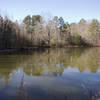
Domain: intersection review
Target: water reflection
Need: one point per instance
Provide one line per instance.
(51, 74)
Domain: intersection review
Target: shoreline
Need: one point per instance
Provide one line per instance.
(42, 47)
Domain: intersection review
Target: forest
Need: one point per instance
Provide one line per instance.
(38, 31)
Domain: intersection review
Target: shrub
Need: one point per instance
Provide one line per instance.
(76, 40)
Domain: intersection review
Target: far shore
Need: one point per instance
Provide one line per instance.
(41, 47)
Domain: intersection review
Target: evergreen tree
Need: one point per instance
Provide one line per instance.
(94, 27)
(27, 21)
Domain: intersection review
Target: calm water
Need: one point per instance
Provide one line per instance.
(51, 74)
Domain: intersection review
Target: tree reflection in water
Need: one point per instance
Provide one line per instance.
(74, 72)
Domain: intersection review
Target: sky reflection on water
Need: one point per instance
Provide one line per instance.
(54, 74)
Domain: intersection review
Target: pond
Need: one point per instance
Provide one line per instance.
(51, 74)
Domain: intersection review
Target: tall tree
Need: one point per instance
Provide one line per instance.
(94, 27)
(61, 22)
(82, 22)
(27, 21)
(55, 19)
(82, 28)
(35, 19)
(94, 33)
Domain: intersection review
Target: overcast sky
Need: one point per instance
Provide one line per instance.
(70, 10)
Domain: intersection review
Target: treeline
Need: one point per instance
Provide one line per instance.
(38, 31)
(12, 35)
